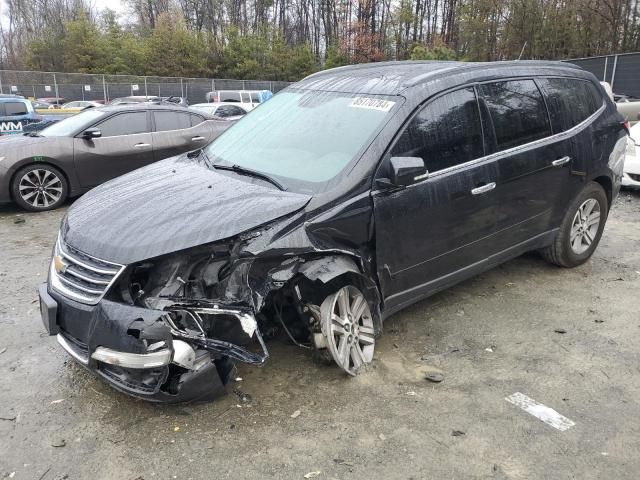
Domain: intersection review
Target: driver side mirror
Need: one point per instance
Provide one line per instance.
(407, 170)
(90, 133)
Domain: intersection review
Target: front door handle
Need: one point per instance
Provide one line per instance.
(484, 188)
(561, 161)
(197, 139)
(142, 145)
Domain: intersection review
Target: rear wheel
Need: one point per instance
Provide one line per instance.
(39, 187)
(581, 228)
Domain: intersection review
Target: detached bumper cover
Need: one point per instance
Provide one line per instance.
(110, 340)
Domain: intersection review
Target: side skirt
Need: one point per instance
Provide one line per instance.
(401, 300)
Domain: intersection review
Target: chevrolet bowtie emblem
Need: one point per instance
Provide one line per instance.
(59, 264)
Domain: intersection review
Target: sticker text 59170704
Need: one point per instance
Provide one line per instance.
(372, 103)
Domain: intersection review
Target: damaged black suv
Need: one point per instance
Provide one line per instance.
(347, 197)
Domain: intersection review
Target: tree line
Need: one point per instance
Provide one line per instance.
(288, 39)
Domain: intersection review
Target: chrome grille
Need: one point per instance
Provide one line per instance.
(79, 276)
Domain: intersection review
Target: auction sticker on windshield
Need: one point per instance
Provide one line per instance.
(372, 104)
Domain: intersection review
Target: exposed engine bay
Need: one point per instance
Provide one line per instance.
(193, 313)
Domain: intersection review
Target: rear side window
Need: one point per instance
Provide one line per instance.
(196, 119)
(171, 120)
(570, 101)
(255, 97)
(15, 108)
(224, 111)
(517, 113)
(445, 133)
(124, 124)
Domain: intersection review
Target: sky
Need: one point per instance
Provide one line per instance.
(116, 5)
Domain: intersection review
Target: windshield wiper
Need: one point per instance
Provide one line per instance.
(250, 173)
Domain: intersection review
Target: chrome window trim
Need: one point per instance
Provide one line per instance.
(527, 146)
(520, 148)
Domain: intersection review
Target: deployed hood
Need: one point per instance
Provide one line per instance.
(171, 205)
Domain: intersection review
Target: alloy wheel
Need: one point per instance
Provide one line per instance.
(40, 188)
(348, 326)
(584, 228)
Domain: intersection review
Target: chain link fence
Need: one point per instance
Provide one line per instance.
(83, 86)
(621, 71)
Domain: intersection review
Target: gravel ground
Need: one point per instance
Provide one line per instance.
(489, 337)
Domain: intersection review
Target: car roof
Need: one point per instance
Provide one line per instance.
(143, 106)
(392, 78)
(129, 107)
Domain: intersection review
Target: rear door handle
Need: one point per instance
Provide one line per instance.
(561, 161)
(484, 188)
(197, 139)
(142, 145)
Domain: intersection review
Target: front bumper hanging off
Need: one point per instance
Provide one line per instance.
(142, 352)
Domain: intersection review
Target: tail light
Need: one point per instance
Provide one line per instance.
(627, 126)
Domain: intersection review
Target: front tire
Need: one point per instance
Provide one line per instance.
(581, 228)
(39, 187)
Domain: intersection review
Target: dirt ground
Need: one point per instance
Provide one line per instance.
(490, 337)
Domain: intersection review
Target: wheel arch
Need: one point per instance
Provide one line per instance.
(605, 182)
(337, 270)
(27, 162)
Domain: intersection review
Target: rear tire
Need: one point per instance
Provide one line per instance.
(581, 228)
(39, 187)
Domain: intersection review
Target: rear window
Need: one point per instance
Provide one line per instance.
(517, 113)
(229, 97)
(15, 108)
(570, 101)
(196, 119)
(229, 111)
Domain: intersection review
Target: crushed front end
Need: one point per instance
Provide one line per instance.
(151, 329)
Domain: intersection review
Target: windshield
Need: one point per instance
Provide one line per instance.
(70, 125)
(303, 138)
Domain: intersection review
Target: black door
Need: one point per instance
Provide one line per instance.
(533, 166)
(433, 228)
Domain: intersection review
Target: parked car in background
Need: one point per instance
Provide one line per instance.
(607, 89)
(39, 104)
(230, 111)
(177, 100)
(249, 99)
(39, 171)
(53, 102)
(15, 114)
(631, 174)
(341, 201)
(149, 98)
(132, 99)
(81, 104)
(629, 108)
